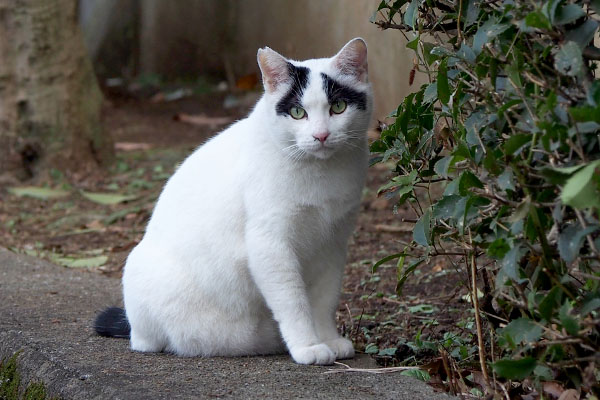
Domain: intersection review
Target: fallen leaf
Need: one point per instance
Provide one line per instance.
(554, 389)
(95, 225)
(201, 119)
(394, 228)
(108, 198)
(569, 394)
(38, 192)
(132, 146)
(88, 262)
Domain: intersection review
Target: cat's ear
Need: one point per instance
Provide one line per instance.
(274, 68)
(352, 60)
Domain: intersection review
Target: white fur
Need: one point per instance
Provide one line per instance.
(247, 242)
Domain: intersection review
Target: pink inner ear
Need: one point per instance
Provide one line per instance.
(352, 60)
(274, 69)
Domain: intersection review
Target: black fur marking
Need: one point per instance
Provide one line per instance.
(299, 77)
(336, 91)
(112, 322)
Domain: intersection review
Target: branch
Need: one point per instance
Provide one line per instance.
(592, 53)
(403, 27)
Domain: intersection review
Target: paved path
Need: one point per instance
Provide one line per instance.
(46, 311)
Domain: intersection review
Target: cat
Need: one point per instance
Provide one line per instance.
(246, 247)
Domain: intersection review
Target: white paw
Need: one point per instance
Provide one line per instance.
(342, 348)
(319, 354)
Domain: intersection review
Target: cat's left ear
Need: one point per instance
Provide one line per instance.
(274, 68)
(352, 60)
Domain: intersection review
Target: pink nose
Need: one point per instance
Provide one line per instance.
(321, 137)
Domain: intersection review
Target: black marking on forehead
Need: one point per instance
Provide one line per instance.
(299, 77)
(336, 91)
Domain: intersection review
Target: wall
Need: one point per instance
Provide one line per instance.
(201, 37)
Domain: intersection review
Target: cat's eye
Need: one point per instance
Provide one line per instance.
(338, 106)
(297, 112)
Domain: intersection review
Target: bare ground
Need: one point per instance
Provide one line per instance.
(81, 233)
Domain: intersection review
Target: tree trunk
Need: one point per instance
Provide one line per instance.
(49, 99)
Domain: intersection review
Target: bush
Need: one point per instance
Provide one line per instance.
(508, 127)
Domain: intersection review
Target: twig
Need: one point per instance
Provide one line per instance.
(475, 301)
(348, 368)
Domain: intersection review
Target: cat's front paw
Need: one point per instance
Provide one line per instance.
(319, 354)
(341, 347)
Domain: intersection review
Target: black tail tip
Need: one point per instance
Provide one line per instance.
(112, 322)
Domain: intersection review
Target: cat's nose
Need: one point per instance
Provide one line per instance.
(321, 137)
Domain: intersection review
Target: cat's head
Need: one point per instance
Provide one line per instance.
(319, 106)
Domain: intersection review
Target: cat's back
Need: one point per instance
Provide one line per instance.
(203, 187)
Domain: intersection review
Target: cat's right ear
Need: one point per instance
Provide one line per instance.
(274, 68)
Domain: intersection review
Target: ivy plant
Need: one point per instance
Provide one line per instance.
(498, 155)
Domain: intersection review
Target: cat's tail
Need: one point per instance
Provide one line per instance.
(112, 322)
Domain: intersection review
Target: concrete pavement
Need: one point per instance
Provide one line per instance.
(46, 312)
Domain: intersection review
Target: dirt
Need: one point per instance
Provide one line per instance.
(150, 143)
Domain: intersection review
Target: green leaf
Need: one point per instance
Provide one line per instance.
(506, 180)
(441, 167)
(549, 9)
(89, 262)
(466, 181)
(427, 55)
(410, 16)
(568, 59)
(498, 248)
(390, 351)
(413, 44)
(537, 19)
(521, 330)
(445, 207)
(580, 191)
(585, 113)
(567, 320)
(443, 87)
(568, 13)
(108, 198)
(593, 94)
(510, 264)
(590, 305)
(521, 211)
(571, 239)
(486, 32)
(515, 369)
(430, 94)
(583, 34)
(402, 275)
(40, 193)
(516, 142)
(386, 259)
(371, 348)
(422, 231)
(550, 302)
(417, 373)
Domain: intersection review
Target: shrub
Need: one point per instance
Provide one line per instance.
(509, 128)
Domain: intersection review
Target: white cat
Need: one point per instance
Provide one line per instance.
(246, 247)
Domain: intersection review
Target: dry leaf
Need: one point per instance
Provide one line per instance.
(554, 389)
(131, 146)
(569, 394)
(393, 228)
(201, 119)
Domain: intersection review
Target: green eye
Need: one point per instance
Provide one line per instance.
(338, 106)
(297, 112)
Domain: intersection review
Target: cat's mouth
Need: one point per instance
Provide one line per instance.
(320, 150)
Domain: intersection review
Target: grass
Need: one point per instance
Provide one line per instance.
(10, 383)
